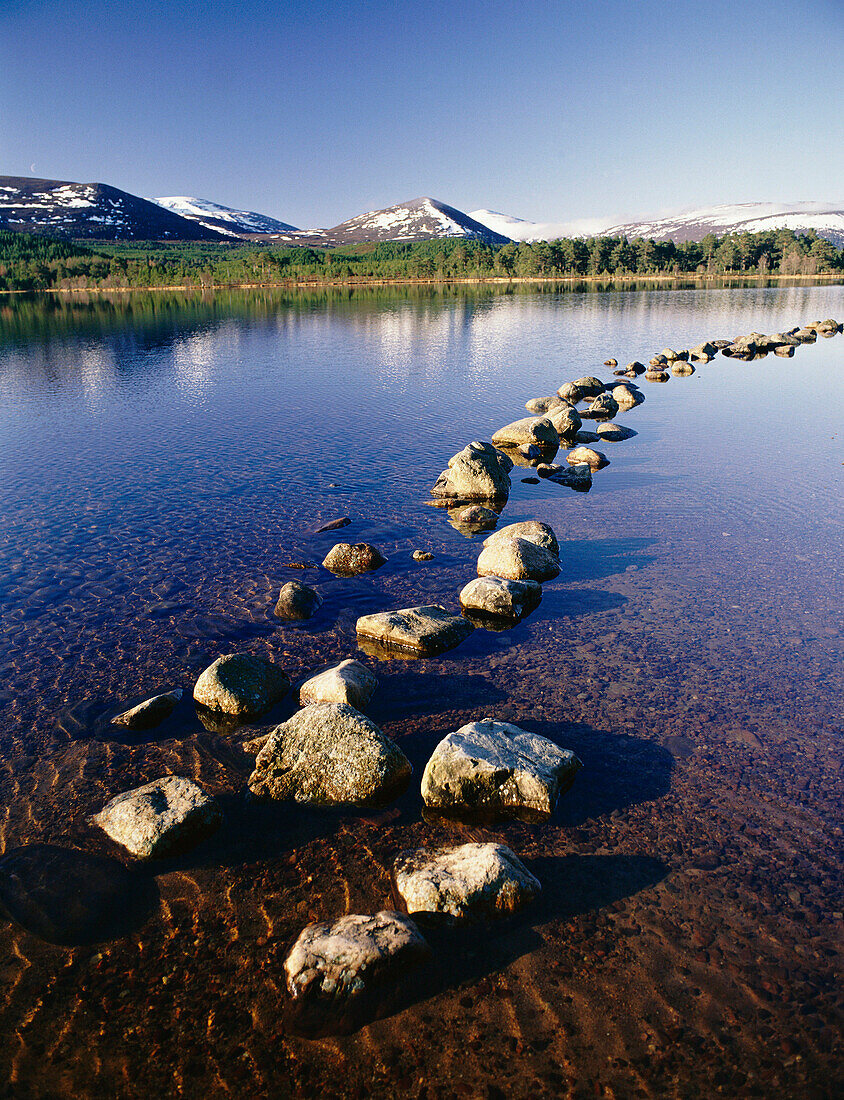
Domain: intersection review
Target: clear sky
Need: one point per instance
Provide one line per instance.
(314, 111)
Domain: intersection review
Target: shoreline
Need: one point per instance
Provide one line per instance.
(353, 283)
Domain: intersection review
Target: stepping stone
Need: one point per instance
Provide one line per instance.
(241, 685)
(345, 973)
(150, 713)
(501, 598)
(349, 682)
(595, 460)
(469, 881)
(540, 534)
(162, 818)
(530, 429)
(517, 559)
(423, 631)
(495, 769)
(328, 754)
(615, 433)
(478, 472)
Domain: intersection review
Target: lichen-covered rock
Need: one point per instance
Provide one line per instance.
(467, 882)
(478, 472)
(296, 602)
(162, 818)
(241, 685)
(496, 768)
(518, 560)
(150, 713)
(529, 430)
(571, 392)
(682, 369)
(329, 754)
(566, 420)
(344, 973)
(500, 598)
(424, 631)
(595, 460)
(531, 529)
(349, 682)
(350, 559)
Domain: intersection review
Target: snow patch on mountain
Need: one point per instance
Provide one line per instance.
(519, 229)
(224, 219)
(827, 219)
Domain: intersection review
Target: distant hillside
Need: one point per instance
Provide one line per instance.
(827, 220)
(223, 219)
(421, 219)
(90, 210)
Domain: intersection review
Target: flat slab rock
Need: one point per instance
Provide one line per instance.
(162, 818)
(425, 631)
(497, 769)
(150, 713)
(469, 881)
(501, 598)
(328, 754)
(516, 559)
(342, 974)
(349, 682)
(242, 685)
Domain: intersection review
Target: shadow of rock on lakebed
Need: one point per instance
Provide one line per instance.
(69, 897)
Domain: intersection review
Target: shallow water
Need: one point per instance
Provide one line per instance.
(166, 459)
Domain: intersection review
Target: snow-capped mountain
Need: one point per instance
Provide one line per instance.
(419, 220)
(223, 219)
(827, 219)
(58, 208)
(518, 229)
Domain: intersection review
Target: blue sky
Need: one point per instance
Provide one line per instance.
(314, 112)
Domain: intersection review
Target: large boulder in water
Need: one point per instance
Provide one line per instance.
(500, 598)
(496, 769)
(541, 534)
(162, 818)
(566, 420)
(328, 754)
(530, 429)
(347, 972)
(241, 685)
(465, 882)
(478, 472)
(517, 560)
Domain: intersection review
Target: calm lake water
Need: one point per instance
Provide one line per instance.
(165, 459)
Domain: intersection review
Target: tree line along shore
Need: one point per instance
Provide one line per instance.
(32, 262)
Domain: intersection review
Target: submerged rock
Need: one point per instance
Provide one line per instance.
(333, 525)
(150, 713)
(500, 598)
(496, 768)
(241, 685)
(296, 602)
(594, 459)
(329, 754)
(424, 631)
(473, 518)
(469, 881)
(478, 472)
(349, 682)
(531, 529)
(343, 974)
(162, 818)
(517, 559)
(585, 436)
(350, 559)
